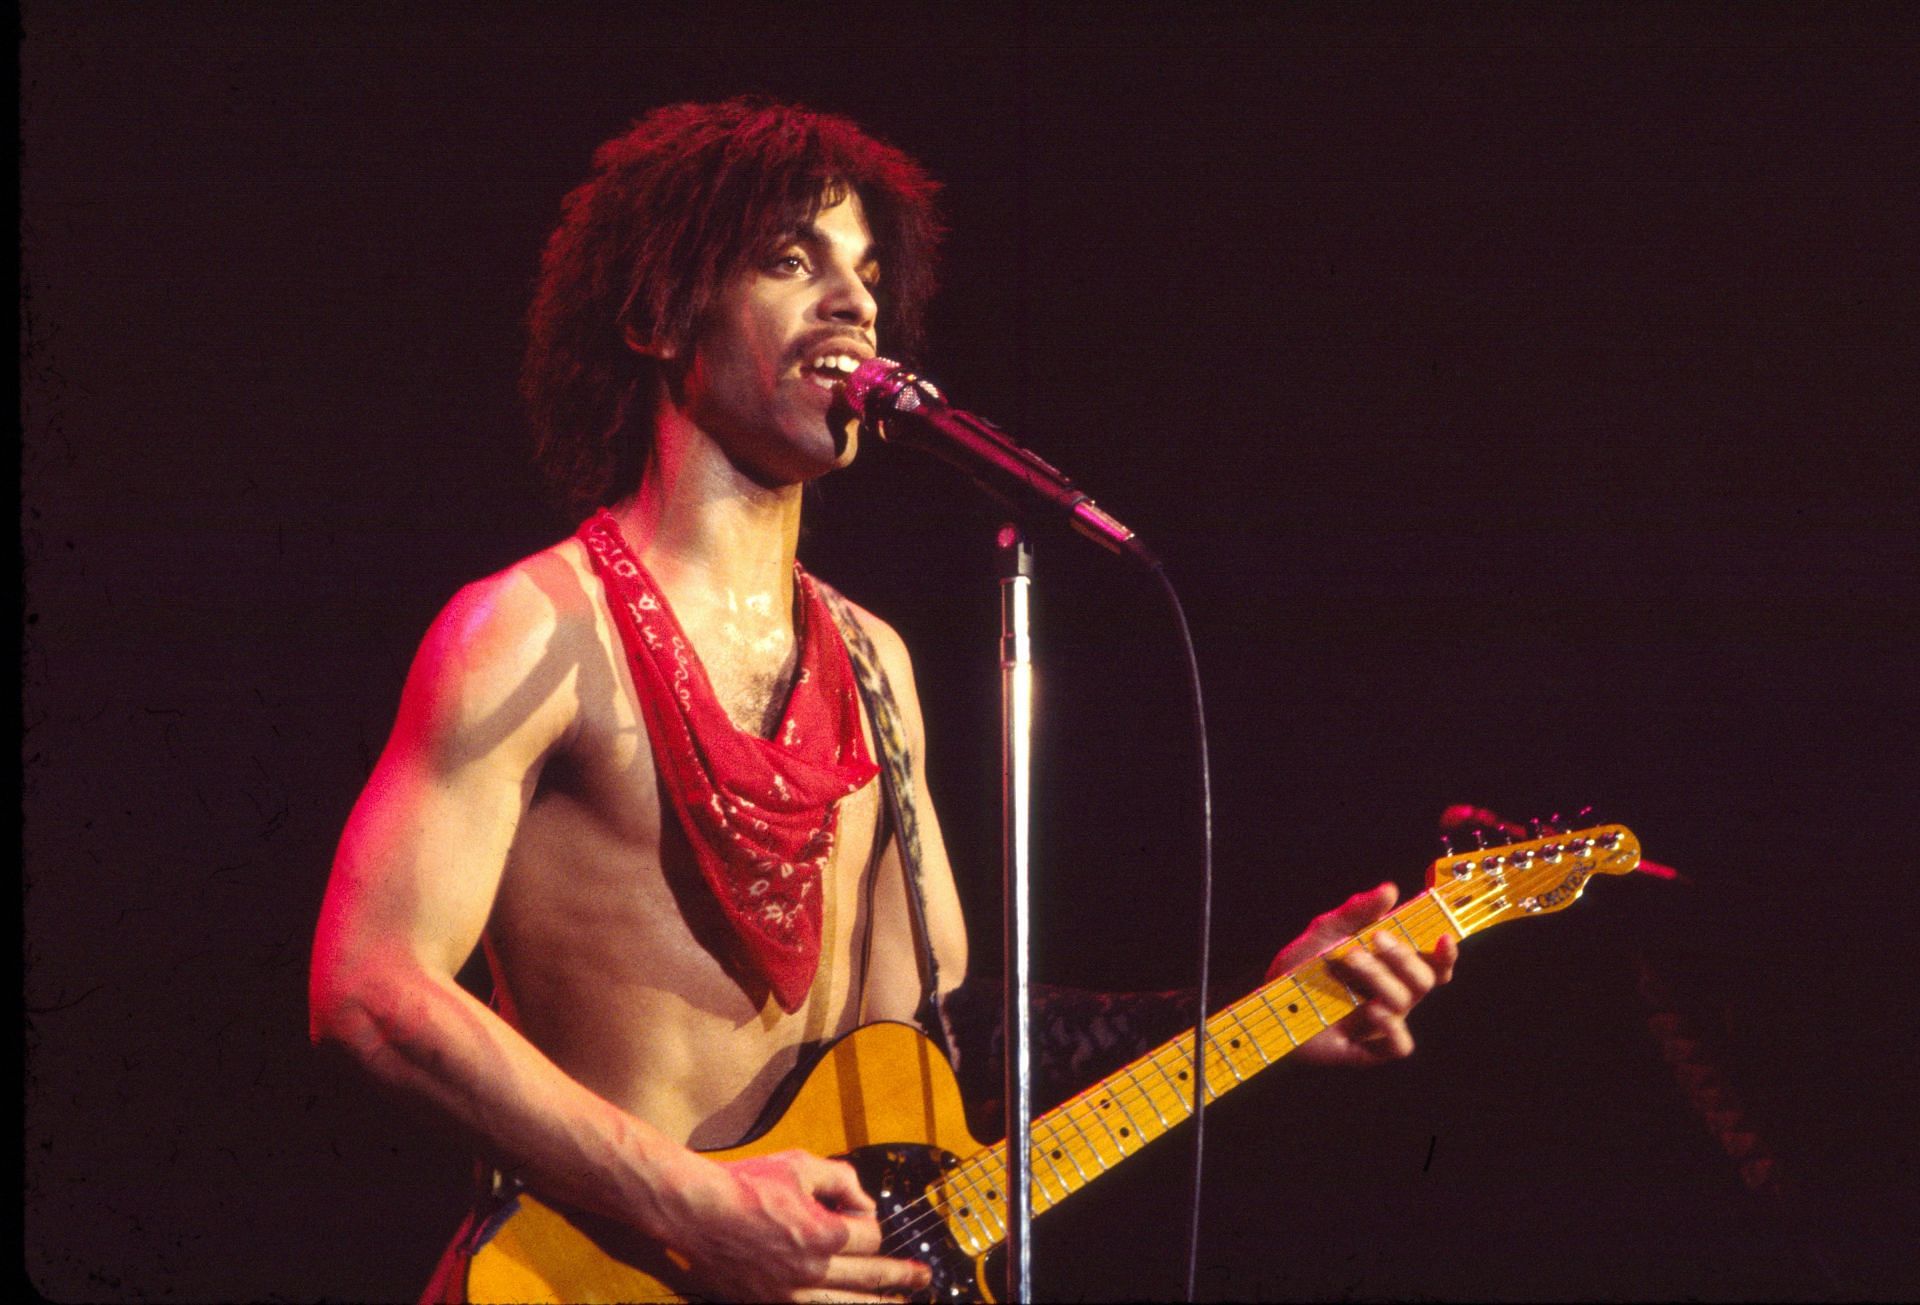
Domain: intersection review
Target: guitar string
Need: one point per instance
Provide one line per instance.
(1478, 911)
(971, 1182)
(969, 1186)
(969, 1178)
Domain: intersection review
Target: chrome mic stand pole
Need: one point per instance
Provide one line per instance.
(1016, 818)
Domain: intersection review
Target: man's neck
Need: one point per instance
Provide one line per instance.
(712, 536)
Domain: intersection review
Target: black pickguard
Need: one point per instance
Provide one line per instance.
(897, 1176)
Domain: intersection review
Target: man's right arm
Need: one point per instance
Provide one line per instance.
(412, 885)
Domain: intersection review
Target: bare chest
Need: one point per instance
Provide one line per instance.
(750, 660)
(617, 961)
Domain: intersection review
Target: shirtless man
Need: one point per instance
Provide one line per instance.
(699, 298)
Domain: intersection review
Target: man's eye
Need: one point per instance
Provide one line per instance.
(789, 263)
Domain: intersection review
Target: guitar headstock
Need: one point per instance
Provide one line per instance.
(1548, 873)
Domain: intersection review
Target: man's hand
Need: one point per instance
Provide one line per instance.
(783, 1227)
(1391, 978)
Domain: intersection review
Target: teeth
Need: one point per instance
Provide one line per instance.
(838, 362)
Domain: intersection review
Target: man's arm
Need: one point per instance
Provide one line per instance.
(1081, 1036)
(414, 880)
(1391, 979)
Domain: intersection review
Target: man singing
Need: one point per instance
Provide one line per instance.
(640, 768)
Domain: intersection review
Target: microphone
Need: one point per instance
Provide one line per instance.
(901, 407)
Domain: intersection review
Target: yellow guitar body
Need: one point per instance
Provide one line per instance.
(885, 1098)
(882, 1083)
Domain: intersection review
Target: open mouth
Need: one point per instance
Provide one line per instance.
(829, 369)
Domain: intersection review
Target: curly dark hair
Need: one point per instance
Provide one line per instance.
(675, 208)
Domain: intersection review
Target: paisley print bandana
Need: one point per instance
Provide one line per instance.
(760, 813)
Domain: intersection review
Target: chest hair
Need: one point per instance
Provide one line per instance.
(751, 676)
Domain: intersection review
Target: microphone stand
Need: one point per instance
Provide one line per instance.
(1015, 566)
(884, 395)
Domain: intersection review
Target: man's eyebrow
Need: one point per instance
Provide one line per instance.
(811, 236)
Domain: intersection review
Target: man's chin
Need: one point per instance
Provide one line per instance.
(807, 453)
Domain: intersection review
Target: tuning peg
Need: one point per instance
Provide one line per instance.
(1479, 838)
(1446, 841)
(1583, 813)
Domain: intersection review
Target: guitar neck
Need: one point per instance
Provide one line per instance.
(1079, 1141)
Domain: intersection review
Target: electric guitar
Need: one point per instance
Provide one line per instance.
(884, 1099)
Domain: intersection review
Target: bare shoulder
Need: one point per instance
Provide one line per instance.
(502, 659)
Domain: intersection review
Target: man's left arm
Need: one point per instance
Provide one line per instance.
(1389, 976)
(1391, 979)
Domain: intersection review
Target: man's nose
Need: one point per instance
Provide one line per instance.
(849, 300)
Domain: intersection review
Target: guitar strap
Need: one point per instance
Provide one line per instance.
(896, 777)
(1080, 1035)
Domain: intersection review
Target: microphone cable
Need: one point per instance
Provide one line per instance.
(880, 392)
(1206, 925)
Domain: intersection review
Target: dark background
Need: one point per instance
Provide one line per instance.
(1519, 395)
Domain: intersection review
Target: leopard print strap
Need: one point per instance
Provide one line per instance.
(896, 770)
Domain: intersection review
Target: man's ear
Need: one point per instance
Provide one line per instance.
(659, 350)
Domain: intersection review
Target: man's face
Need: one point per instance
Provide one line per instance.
(761, 380)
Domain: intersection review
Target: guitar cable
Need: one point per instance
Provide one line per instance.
(1206, 925)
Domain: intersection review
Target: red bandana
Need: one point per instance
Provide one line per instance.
(760, 813)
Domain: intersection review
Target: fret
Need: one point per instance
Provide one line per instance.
(968, 1216)
(1050, 1153)
(1353, 998)
(1225, 1059)
(1278, 1018)
(1099, 1113)
(1232, 1014)
(1066, 1148)
(981, 1190)
(1147, 1092)
(1044, 1151)
(1333, 995)
(1040, 1188)
(1312, 1005)
(1183, 1056)
(1434, 897)
(996, 1209)
(1320, 997)
(1180, 1095)
(1066, 1113)
(1132, 1123)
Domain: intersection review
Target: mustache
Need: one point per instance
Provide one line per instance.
(816, 340)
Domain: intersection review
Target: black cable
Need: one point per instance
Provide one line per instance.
(1206, 927)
